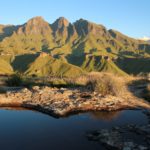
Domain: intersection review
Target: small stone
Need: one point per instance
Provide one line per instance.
(142, 147)
(129, 146)
(85, 95)
(126, 148)
(36, 88)
(116, 128)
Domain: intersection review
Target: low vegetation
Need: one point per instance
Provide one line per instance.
(14, 80)
(100, 82)
(107, 84)
(103, 83)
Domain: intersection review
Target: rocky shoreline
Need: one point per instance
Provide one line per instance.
(59, 102)
(126, 137)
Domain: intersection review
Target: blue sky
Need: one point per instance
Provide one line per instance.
(132, 17)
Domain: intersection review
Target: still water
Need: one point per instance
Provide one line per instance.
(31, 130)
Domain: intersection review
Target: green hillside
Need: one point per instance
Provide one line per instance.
(71, 43)
(97, 63)
(46, 65)
(134, 65)
(5, 68)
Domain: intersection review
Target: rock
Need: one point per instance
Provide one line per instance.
(35, 88)
(129, 146)
(59, 99)
(111, 103)
(142, 148)
(117, 137)
(115, 128)
(60, 102)
(85, 95)
(24, 90)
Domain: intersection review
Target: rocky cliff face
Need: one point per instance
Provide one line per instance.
(61, 33)
(35, 25)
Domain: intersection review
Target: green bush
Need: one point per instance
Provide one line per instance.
(15, 80)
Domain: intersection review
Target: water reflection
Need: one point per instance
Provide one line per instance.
(97, 115)
(104, 115)
(14, 108)
(23, 129)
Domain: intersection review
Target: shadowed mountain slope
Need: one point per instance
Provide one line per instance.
(46, 65)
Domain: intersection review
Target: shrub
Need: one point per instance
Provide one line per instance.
(85, 79)
(107, 84)
(14, 80)
(81, 80)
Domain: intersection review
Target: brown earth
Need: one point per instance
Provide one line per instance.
(60, 102)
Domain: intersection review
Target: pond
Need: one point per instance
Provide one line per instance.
(22, 129)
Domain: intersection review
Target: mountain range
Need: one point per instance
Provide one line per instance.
(69, 49)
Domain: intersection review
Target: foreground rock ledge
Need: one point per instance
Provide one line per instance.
(63, 101)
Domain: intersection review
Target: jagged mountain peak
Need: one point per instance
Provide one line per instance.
(36, 19)
(82, 22)
(36, 25)
(85, 27)
(61, 23)
(60, 29)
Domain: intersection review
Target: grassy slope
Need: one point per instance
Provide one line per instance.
(134, 65)
(100, 64)
(47, 65)
(5, 68)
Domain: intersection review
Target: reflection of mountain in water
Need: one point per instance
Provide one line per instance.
(103, 115)
(14, 108)
(97, 115)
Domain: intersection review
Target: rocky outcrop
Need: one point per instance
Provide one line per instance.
(60, 102)
(35, 26)
(127, 137)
